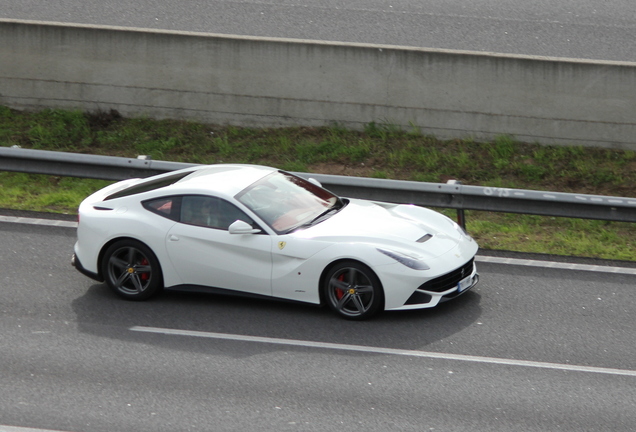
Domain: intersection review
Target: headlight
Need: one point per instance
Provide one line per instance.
(406, 260)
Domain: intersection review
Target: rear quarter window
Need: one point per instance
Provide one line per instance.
(148, 185)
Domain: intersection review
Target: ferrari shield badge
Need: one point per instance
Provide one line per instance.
(281, 245)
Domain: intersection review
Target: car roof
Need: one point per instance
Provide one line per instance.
(222, 179)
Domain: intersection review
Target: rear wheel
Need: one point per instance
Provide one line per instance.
(132, 270)
(353, 291)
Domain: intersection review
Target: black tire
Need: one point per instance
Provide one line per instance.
(132, 270)
(353, 291)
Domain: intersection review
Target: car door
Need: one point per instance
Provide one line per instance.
(204, 253)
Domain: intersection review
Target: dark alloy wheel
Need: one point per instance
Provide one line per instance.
(132, 270)
(353, 291)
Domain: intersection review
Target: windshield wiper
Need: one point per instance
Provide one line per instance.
(322, 216)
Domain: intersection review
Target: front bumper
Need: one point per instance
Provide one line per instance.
(443, 288)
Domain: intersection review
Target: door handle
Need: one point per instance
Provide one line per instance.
(173, 237)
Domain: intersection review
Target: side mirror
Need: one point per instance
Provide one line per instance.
(314, 181)
(241, 227)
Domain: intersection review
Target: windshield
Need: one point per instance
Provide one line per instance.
(286, 202)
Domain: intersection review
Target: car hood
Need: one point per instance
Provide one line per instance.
(407, 228)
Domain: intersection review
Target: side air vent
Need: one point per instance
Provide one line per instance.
(419, 298)
(425, 238)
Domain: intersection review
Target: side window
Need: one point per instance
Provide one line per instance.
(211, 212)
(167, 207)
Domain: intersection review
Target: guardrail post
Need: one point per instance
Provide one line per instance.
(461, 218)
(461, 215)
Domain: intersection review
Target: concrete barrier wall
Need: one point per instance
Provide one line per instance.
(276, 82)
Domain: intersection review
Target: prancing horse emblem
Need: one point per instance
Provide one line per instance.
(281, 245)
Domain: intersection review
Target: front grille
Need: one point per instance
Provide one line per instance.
(449, 280)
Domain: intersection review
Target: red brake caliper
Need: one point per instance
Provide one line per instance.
(145, 276)
(339, 292)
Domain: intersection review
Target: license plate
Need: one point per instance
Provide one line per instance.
(464, 284)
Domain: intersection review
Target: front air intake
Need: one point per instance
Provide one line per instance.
(449, 280)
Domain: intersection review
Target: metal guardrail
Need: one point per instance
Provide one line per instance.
(81, 165)
(455, 196)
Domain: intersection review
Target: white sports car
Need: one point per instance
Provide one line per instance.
(264, 232)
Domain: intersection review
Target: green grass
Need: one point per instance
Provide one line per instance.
(379, 151)
(558, 236)
(45, 193)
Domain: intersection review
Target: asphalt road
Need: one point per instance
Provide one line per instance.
(530, 349)
(566, 28)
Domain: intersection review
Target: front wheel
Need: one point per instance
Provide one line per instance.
(132, 270)
(353, 291)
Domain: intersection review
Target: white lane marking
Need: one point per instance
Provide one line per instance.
(34, 221)
(5, 428)
(555, 265)
(479, 258)
(389, 351)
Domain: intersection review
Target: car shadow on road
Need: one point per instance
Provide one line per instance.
(99, 311)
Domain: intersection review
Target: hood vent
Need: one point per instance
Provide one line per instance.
(425, 238)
